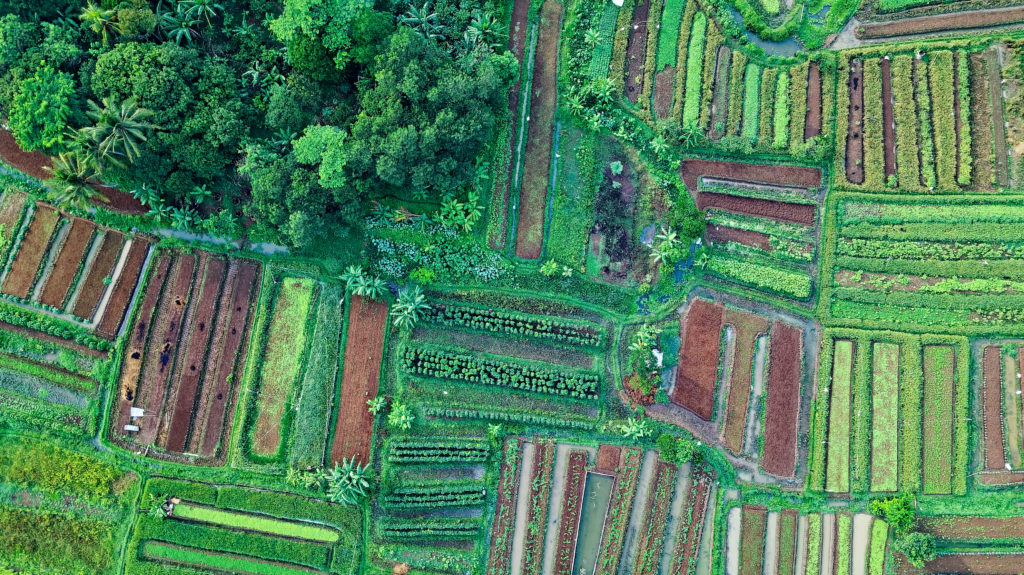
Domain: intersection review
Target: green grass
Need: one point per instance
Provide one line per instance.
(781, 120)
(751, 100)
(838, 474)
(938, 418)
(771, 6)
(668, 35)
(885, 388)
(940, 80)
(694, 69)
(217, 561)
(255, 523)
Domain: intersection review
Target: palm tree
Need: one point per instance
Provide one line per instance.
(410, 306)
(423, 21)
(204, 8)
(100, 20)
(70, 185)
(484, 28)
(119, 131)
(180, 25)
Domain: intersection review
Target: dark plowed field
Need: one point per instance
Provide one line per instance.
(995, 457)
(694, 169)
(32, 163)
(664, 89)
(787, 212)
(783, 406)
(942, 22)
(965, 527)
(855, 118)
(66, 265)
(31, 252)
(698, 366)
(124, 288)
(724, 234)
(608, 459)
(636, 51)
(102, 266)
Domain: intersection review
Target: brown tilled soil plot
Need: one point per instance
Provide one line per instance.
(608, 459)
(747, 328)
(636, 51)
(812, 121)
(572, 505)
(785, 211)
(782, 410)
(888, 125)
(102, 266)
(755, 519)
(124, 288)
(987, 564)
(995, 457)
(693, 169)
(505, 509)
(30, 254)
(192, 362)
(664, 89)
(66, 265)
(724, 234)
(162, 345)
(533, 193)
(364, 347)
(855, 117)
(964, 527)
(688, 541)
(31, 163)
(230, 343)
(698, 366)
(942, 22)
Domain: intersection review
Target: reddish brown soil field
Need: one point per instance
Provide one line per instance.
(534, 191)
(43, 336)
(664, 89)
(747, 328)
(994, 564)
(995, 458)
(636, 52)
(854, 135)
(783, 407)
(694, 169)
(124, 288)
(500, 556)
(364, 347)
(22, 274)
(725, 234)
(812, 121)
(698, 367)
(688, 542)
(941, 22)
(66, 265)
(102, 266)
(888, 125)
(784, 211)
(162, 345)
(608, 459)
(1001, 478)
(131, 366)
(191, 363)
(652, 532)
(754, 523)
(230, 343)
(963, 527)
(572, 505)
(31, 163)
(120, 201)
(540, 494)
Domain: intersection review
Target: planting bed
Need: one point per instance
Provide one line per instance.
(812, 124)
(619, 510)
(977, 564)
(66, 265)
(22, 274)
(752, 540)
(698, 366)
(688, 537)
(723, 234)
(636, 50)
(942, 22)
(995, 458)
(854, 134)
(608, 459)
(124, 288)
(572, 505)
(652, 534)
(938, 418)
(785, 211)
(840, 399)
(537, 516)
(92, 286)
(748, 327)
(534, 191)
(888, 124)
(885, 419)
(782, 410)
(692, 170)
(500, 555)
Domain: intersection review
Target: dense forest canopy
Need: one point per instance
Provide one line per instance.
(293, 115)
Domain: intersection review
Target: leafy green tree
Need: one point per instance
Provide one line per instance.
(39, 115)
(918, 547)
(899, 512)
(72, 184)
(329, 22)
(135, 22)
(16, 37)
(323, 146)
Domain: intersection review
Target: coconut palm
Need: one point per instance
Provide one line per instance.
(100, 20)
(71, 184)
(119, 130)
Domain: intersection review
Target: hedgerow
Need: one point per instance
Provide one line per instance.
(751, 100)
(512, 322)
(413, 450)
(908, 165)
(781, 120)
(940, 84)
(964, 96)
(518, 417)
(694, 70)
(767, 277)
(488, 370)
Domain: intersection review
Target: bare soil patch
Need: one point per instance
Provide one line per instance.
(747, 328)
(812, 121)
(965, 527)
(995, 458)
(65, 267)
(124, 288)
(608, 459)
(774, 174)
(942, 22)
(888, 125)
(664, 89)
(34, 164)
(537, 166)
(855, 133)
(724, 234)
(364, 347)
(987, 564)
(102, 266)
(10, 210)
(31, 252)
(636, 51)
(698, 364)
(783, 406)
(788, 212)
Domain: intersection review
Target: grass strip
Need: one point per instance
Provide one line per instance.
(255, 523)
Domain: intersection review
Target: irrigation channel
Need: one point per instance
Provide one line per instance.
(596, 495)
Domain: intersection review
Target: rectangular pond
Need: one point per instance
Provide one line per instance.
(596, 495)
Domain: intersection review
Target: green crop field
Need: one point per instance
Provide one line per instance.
(839, 418)
(885, 418)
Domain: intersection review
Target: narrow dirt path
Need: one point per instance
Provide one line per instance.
(558, 479)
(757, 390)
(522, 508)
(861, 540)
(678, 498)
(771, 544)
(732, 542)
(828, 543)
(636, 516)
(802, 545)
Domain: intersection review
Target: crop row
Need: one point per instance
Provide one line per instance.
(781, 119)
(254, 523)
(751, 101)
(504, 373)
(773, 279)
(517, 323)
(694, 67)
(766, 114)
(538, 506)
(889, 213)
(520, 417)
(572, 505)
(436, 494)
(925, 250)
(619, 512)
(449, 528)
(216, 561)
(437, 450)
(765, 226)
(503, 527)
(652, 534)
